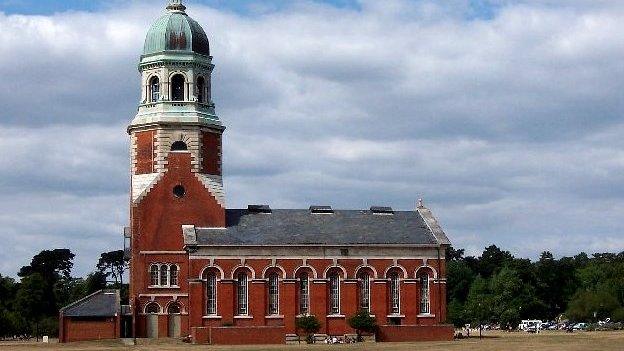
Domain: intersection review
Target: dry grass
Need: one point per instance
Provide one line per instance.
(493, 341)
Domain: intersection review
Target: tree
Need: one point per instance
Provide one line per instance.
(492, 259)
(31, 299)
(309, 325)
(113, 264)
(50, 264)
(362, 322)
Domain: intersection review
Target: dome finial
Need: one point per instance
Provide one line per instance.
(176, 5)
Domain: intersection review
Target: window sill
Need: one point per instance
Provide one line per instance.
(426, 315)
(335, 316)
(395, 316)
(243, 317)
(163, 287)
(274, 316)
(211, 317)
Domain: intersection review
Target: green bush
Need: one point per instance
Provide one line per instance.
(362, 322)
(309, 325)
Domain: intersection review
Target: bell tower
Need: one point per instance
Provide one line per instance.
(176, 135)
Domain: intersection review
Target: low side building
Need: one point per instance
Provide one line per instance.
(95, 317)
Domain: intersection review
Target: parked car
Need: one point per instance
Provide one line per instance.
(580, 326)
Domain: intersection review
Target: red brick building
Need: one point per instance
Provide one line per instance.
(244, 275)
(95, 317)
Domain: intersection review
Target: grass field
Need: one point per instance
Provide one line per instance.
(493, 341)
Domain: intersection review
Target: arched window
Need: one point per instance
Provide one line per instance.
(273, 294)
(174, 308)
(334, 293)
(211, 294)
(154, 89)
(395, 294)
(154, 275)
(241, 294)
(177, 87)
(163, 275)
(364, 291)
(424, 294)
(304, 294)
(173, 275)
(179, 146)
(152, 308)
(201, 89)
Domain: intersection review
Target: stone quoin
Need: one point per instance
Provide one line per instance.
(228, 276)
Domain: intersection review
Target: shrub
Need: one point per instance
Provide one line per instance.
(309, 325)
(362, 322)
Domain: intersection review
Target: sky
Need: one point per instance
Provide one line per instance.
(504, 116)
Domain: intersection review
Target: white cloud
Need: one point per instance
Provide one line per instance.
(509, 127)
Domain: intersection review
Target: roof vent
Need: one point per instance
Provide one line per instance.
(381, 210)
(259, 209)
(321, 209)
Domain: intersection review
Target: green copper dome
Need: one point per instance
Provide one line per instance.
(176, 31)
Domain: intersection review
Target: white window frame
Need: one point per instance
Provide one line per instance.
(242, 295)
(164, 275)
(154, 95)
(425, 292)
(364, 292)
(211, 294)
(334, 294)
(304, 294)
(154, 272)
(395, 294)
(273, 293)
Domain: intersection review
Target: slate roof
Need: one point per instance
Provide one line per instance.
(300, 227)
(104, 303)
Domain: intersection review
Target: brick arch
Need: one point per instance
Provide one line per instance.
(174, 302)
(432, 272)
(160, 310)
(273, 268)
(396, 267)
(363, 267)
(335, 267)
(211, 267)
(302, 267)
(240, 267)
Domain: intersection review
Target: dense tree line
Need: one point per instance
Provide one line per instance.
(30, 307)
(499, 288)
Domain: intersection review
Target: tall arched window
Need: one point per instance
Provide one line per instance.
(424, 294)
(211, 294)
(154, 89)
(304, 294)
(273, 294)
(201, 89)
(177, 87)
(173, 275)
(364, 291)
(395, 294)
(154, 274)
(241, 294)
(334, 293)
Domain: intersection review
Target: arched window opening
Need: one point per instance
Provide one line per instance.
(201, 87)
(154, 89)
(179, 146)
(395, 294)
(152, 308)
(364, 291)
(241, 294)
(164, 275)
(424, 294)
(177, 87)
(173, 275)
(304, 294)
(174, 308)
(273, 294)
(154, 275)
(211, 294)
(334, 293)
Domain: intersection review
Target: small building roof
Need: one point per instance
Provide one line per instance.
(305, 227)
(103, 303)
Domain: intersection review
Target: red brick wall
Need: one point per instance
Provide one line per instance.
(401, 333)
(144, 156)
(84, 330)
(211, 153)
(247, 335)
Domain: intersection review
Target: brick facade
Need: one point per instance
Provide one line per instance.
(83, 329)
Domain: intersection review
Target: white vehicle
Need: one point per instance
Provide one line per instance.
(530, 325)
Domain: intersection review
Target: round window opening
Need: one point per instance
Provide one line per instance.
(179, 191)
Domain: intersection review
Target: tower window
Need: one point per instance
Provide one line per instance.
(179, 191)
(154, 89)
(177, 87)
(201, 87)
(179, 146)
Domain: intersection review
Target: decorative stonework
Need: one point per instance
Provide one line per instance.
(142, 184)
(214, 184)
